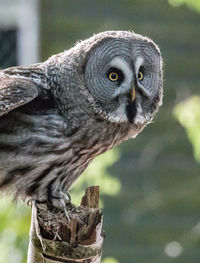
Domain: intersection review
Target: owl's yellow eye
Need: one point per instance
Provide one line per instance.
(113, 76)
(140, 75)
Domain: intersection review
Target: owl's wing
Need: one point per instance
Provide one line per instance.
(15, 92)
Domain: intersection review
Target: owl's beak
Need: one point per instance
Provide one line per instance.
(133, 94)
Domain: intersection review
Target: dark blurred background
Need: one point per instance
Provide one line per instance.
(153, 213)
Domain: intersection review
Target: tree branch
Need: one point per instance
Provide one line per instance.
(55, 238)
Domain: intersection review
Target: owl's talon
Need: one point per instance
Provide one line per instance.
(61, 201)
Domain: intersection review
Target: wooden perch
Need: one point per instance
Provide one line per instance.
(54, 238)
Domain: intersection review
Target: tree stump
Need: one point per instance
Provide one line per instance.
(56, 238)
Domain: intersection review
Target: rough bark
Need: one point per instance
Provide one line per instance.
(55, 237)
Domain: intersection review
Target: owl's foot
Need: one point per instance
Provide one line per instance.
(60, 200)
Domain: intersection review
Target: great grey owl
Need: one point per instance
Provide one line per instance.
(56, 116)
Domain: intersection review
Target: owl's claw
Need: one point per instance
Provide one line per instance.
(61, 201)
(65, 200)
(64, 208)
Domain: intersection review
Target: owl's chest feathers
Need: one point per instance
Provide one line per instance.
(81, 147)
(43, 148)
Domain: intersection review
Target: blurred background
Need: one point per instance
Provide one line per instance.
(150, 186)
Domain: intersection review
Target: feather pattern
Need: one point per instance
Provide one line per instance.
(56, 116)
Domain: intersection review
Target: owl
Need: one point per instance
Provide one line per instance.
(56, 116)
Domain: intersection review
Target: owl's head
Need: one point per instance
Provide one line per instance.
(123, 76)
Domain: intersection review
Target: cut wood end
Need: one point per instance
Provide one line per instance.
(80, 227)
(77, 237)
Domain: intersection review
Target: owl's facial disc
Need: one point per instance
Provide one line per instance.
(124, 76)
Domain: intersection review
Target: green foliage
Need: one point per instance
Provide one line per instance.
(193, 4)
(188, 114)
(110, 260)
(14, 228)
